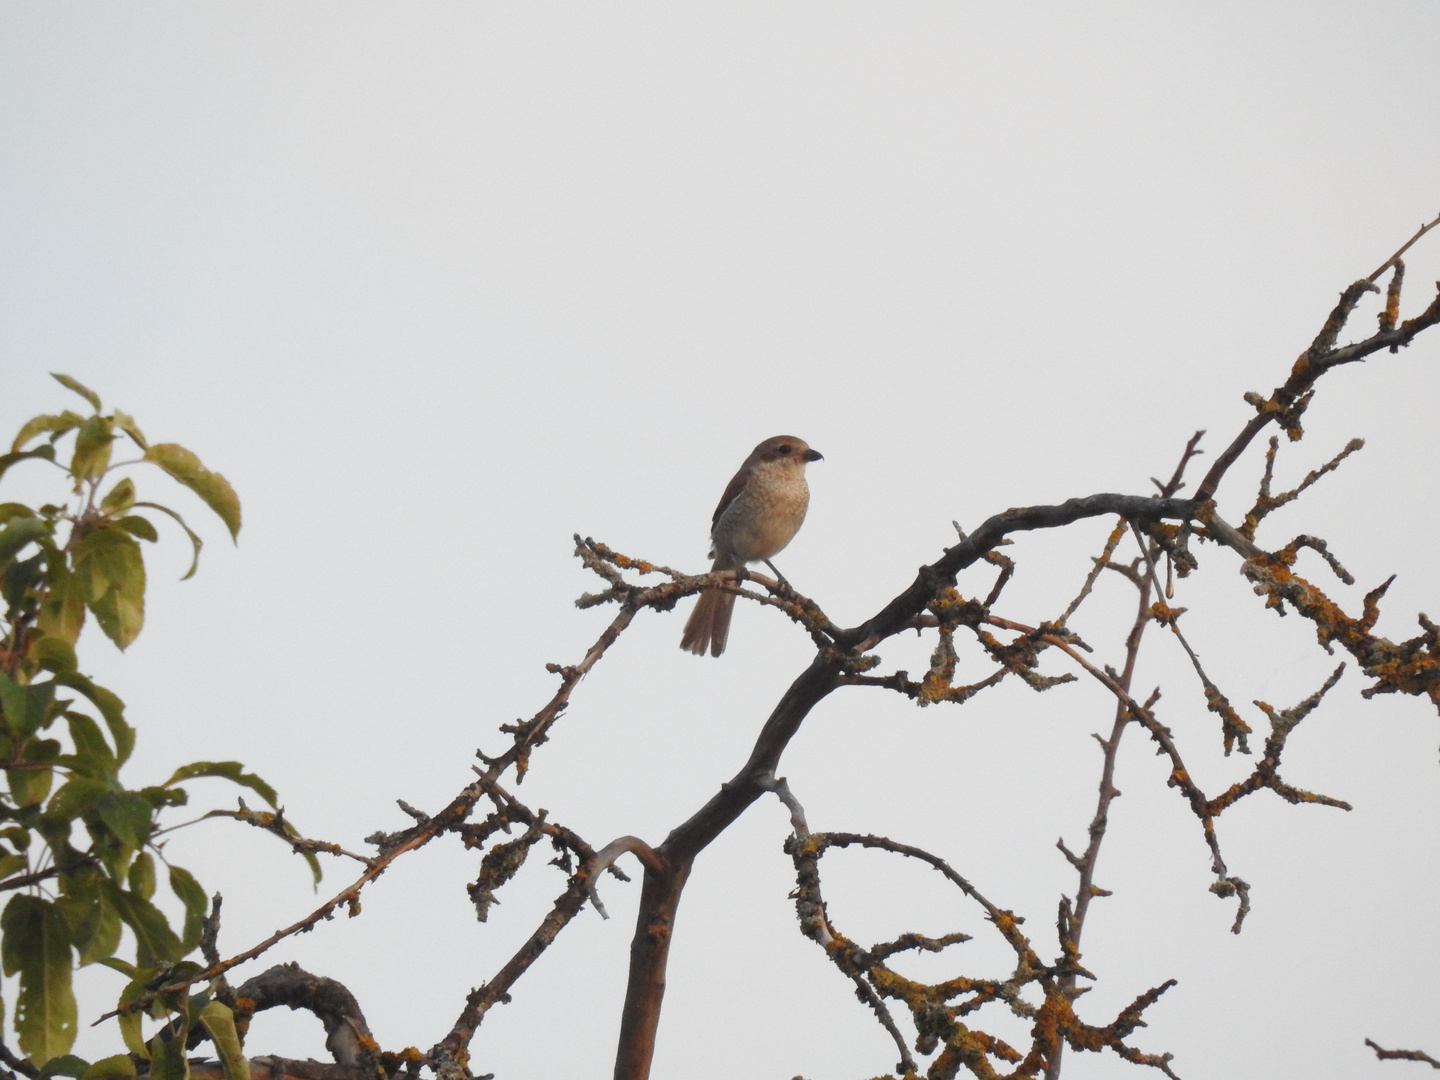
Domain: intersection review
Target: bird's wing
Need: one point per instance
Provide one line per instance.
(736, 485)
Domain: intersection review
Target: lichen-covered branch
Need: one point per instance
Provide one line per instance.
(946, 1014)
(347, 1035)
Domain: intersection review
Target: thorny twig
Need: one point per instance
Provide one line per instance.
(1206, 809)
(1071, 923)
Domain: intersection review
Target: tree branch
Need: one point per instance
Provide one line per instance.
(1402, 1055)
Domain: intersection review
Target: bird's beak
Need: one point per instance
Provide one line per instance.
(814, 455)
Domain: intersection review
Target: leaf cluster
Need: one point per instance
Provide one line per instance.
(80, 850)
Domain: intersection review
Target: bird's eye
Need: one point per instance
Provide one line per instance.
(786, 449)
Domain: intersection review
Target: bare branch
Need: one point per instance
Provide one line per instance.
(1233, 728)
(21, 1065)
(347, 1035)
(448, 1057)
(1071, 924)
(1391, 311)
(1402, 1055)
(906, 942)
(942, 1022)
(275, 824)
(1265, 502)
(782, 791)
(1287, 401)
(1266, 774)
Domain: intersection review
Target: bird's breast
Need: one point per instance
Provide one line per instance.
(764, 516)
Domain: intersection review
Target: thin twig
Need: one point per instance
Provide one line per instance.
(1233, 728)
(1111, 543)
(397, 844)
(1072, 924)
(1403, 248)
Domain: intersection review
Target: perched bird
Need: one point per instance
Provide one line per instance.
(758, 515)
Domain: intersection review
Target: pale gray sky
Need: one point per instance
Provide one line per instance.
(437, 285)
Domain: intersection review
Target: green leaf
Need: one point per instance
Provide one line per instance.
(62, 612)
(167, 1059)
(95, 554)
(126, 423)
(131, 1023)
(21, 580)
(219, 1021)
(92, 449)
(52, 654)
(195, 542)
(57, 839)
(12, 864)
(14, 510)
(74, 384)
(45, 453)
(118, 1067)
(181, 1001)
(139, 526)
(26, 708)
(79, 882)
(58, 423)
(142, 875)
(131, 1028)
(92, 755)
(36, 946)
(213, 488)
(229, 770)
(76, 797)
(119, 498)
(110, 573)
(64, 1065)
(110, 706)
(21, 914)
(160, 797)
(28, 787)
(155, 942)
(127, 815)
(102, 943)
(94, 924)
(20, 531)
(184, 885)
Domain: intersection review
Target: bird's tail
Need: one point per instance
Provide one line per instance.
(709, 624)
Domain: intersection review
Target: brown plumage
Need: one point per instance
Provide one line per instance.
(758, 515)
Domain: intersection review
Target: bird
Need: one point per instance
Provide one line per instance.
(759, 514)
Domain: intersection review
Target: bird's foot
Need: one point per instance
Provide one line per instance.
(779, 576)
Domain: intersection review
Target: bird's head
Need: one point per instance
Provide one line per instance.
(785, 448)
